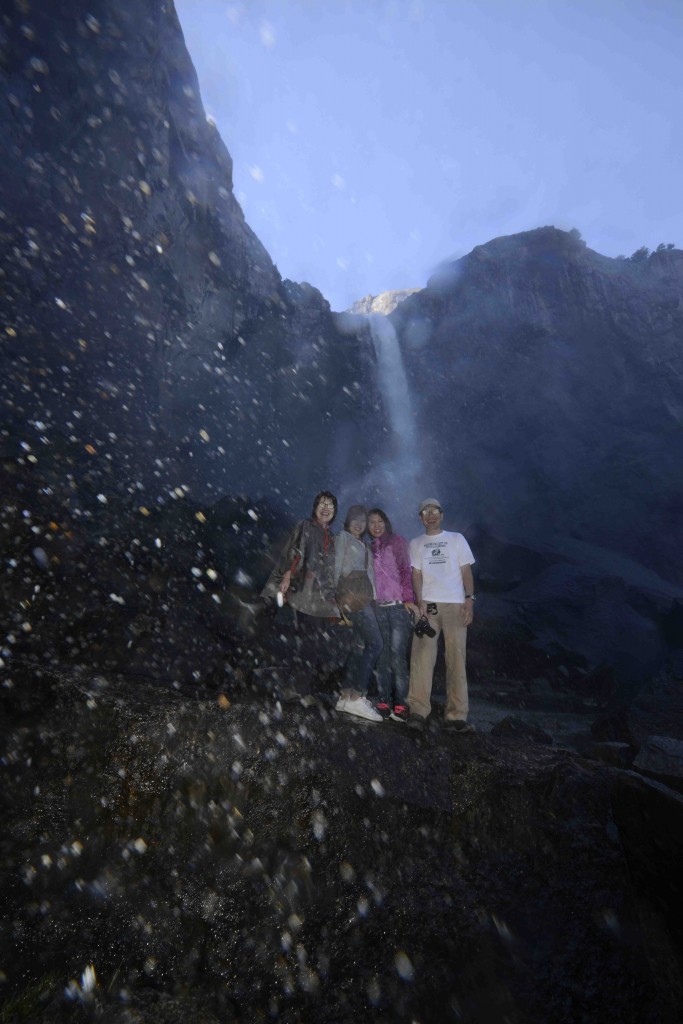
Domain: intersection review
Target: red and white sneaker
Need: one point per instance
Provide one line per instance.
(400, 713)
(384, 710)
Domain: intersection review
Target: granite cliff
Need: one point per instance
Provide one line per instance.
(188, 839)
(385, 302)
(560, 373)
(551, 376)
(141, 314)
(152, 353)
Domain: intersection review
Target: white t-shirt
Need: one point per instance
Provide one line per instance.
(439, 559)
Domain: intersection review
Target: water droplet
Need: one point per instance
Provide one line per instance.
(404, 966)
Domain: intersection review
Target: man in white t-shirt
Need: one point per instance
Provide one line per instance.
(444, 591)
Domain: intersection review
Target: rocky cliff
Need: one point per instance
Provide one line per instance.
(559, 375)
(141, 316)
(385, 302)
(150, 348)
(187, 839)
(548, 379)
(151, 353)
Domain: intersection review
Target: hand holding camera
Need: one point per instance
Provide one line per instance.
(422, 627)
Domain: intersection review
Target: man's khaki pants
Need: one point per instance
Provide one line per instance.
(423, 659)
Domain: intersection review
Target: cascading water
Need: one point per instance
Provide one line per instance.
(394, 385)
(396, 459)
(396, 465)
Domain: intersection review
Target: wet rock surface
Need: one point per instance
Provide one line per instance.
(661, 757)
(558, 472)
(618, 755)
(649, 817)
(542, 307)
(191, 833)
(187, 813)
(516, 727)
(244, 859)
(146, 331)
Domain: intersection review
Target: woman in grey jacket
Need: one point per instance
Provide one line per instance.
(303, 579)
(352, 558)
(304, 574)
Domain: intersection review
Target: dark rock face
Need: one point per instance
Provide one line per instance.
(618, 755)
(142, 316)
(658, 708)
(150, 348)
(168, 403)
(244, 862)
(661, 757)
(558, 375)
(649, 817)
(517, 728)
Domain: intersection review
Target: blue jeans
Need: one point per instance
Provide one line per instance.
(366, 644)
(395, 624)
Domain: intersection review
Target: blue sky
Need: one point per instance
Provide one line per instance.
(373, 139)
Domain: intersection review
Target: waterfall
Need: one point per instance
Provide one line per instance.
(398, 463)
(394, 383)
(394, 463)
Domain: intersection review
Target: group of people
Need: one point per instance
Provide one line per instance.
(384, 592)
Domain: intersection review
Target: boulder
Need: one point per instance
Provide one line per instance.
(649, 817)
(615, 754)
(661, 756)
(520, 729)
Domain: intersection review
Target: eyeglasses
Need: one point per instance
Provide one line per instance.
(430, 509)
(326, 504)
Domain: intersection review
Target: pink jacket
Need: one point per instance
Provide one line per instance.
(393, 576)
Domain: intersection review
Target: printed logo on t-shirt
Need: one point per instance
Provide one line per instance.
(438, 554)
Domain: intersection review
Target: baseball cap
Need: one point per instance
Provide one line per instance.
(430, 501)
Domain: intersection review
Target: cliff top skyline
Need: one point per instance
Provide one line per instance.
(373, 141)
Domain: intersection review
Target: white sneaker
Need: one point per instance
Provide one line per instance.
(362, 708)
(341, 704)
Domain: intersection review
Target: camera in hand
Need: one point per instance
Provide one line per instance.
(422, 628)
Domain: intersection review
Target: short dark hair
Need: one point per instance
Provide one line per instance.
(355, 512)
(319, 497)
(382, 514)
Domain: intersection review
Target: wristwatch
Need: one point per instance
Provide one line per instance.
(470, 597)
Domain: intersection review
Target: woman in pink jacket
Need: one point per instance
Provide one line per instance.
(394, 608)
